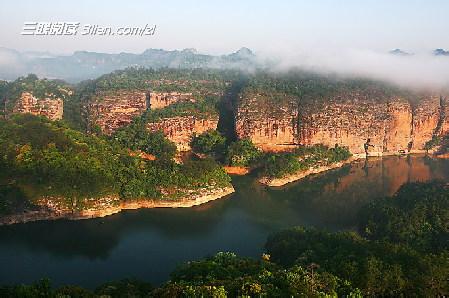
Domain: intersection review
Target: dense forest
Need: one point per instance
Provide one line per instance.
(401, 250)
(138, 78)
(308, 86)
(39, 157)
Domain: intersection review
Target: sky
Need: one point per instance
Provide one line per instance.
(349, 37)
(222, 27)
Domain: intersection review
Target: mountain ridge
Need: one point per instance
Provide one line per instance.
(82, 65)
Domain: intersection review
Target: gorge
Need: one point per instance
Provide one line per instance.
(130, 150)
(278, 113)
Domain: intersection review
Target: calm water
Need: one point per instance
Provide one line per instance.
(148, 244)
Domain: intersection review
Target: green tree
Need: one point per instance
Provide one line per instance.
(210, 142)
(242, 153)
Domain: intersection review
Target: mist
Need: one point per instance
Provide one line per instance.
(422, 70)
(417, 71)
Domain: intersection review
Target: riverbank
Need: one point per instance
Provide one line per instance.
(112, 205)
(276, 182)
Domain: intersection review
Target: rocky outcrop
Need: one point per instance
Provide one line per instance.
(181, 129)
(50, 107)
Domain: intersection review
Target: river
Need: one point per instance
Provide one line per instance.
(149, 244)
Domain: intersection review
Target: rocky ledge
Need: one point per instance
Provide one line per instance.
(112, 205)
(237, 170)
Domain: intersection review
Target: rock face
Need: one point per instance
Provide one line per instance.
(351, 123)
(426, 119)
(159, 100)
(180, 130)
(279, 121)
(52, 108)
(270, 127)
(392, 125)
(112, 110)
(443, 126)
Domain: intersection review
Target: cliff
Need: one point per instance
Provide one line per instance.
(427, 117)
(112, 110)
(52, 108)
(277, 113)
(352, 121)
(159, 100)
(180, 129)
(271, 123)
(393, 123)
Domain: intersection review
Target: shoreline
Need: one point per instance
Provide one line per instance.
(277, 182)
(53, 214)
(114, 206)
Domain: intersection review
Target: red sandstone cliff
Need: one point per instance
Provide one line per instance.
(351, 122)
(426, 119)
(180, 130)
(112, 110)
(49, 107)
(392, 125)
(159, 100)
(272, 127)
(276, 121)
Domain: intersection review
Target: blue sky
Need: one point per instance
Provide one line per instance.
(221, 27)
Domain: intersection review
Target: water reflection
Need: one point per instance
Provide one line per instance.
(148, 244)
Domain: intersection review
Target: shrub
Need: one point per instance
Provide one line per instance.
(210, 142)
(137, 137)
(242, 153)
(280, 165)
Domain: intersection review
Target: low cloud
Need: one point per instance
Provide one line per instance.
(423, 70)
(420, 70)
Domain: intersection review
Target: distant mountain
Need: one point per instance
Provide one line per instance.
(83, 65)
(399, 52)
(243, 53)
(441, 52)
